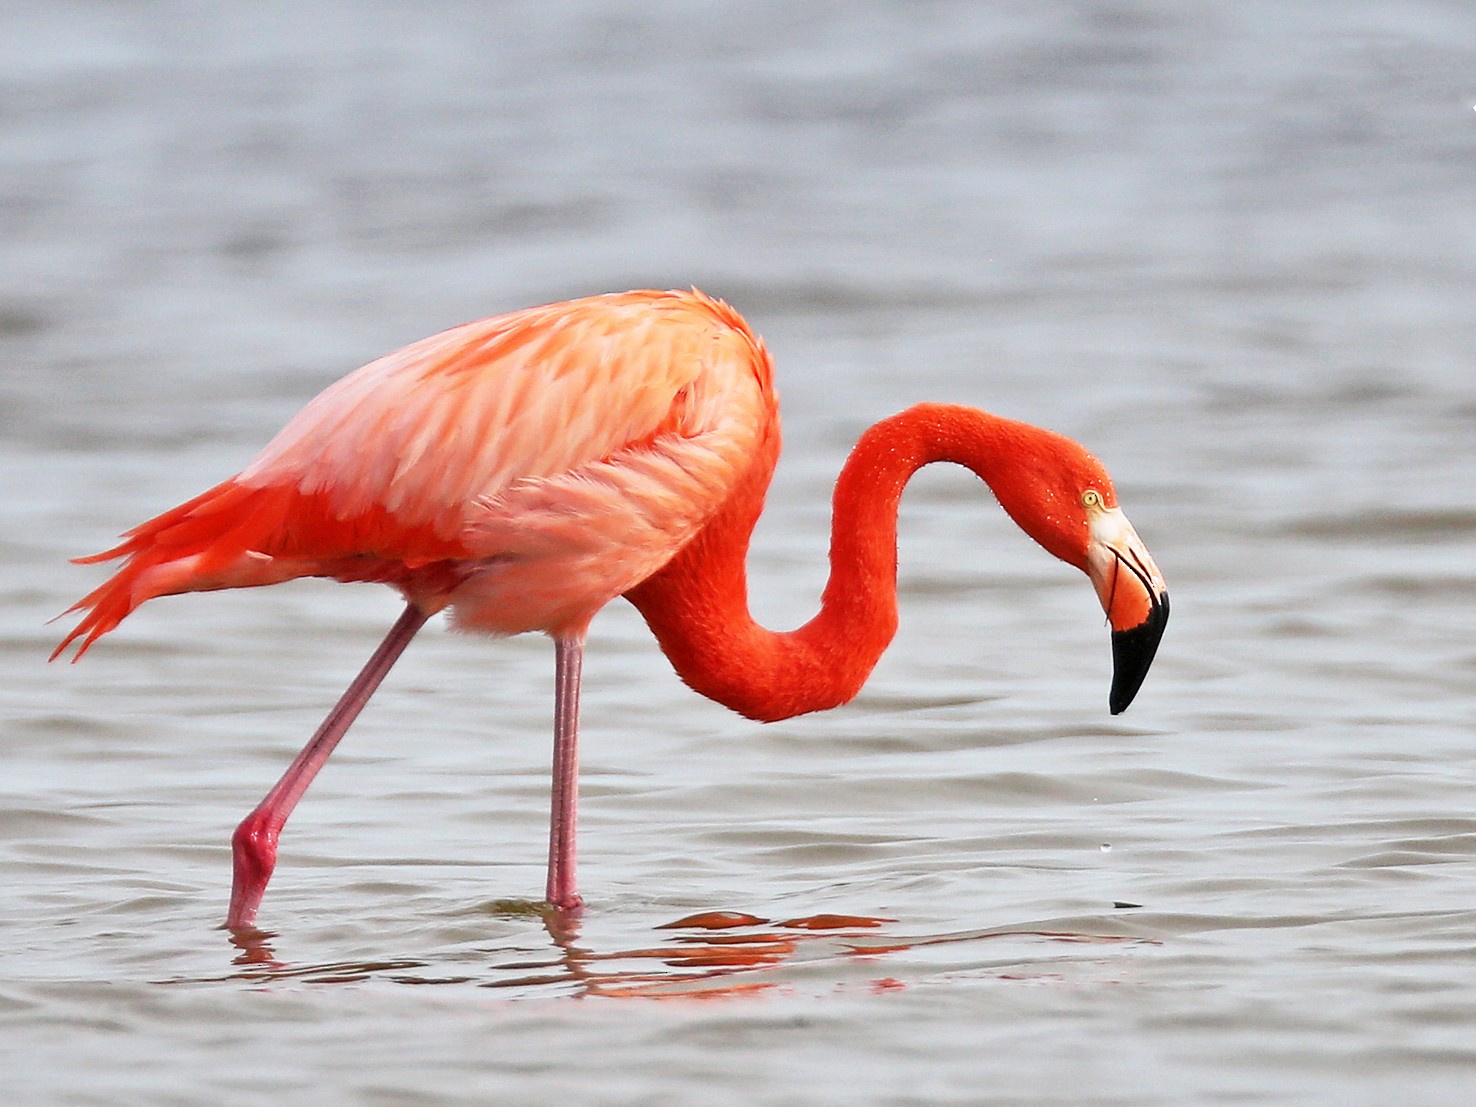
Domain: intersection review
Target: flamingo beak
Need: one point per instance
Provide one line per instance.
(1134, 597)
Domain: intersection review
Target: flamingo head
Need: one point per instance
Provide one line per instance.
(1062, 497)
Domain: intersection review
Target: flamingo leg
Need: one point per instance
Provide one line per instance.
(568, 661)
(254, 845)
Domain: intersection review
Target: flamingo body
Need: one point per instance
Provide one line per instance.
(525, 470)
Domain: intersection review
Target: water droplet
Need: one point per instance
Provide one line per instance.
(1106, 847)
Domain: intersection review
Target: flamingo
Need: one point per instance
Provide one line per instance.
(522, 471)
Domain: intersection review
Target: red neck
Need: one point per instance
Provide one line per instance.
(697, 604)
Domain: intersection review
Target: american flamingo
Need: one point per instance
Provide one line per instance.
(525, 470)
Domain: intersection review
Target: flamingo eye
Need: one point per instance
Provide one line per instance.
(1091, 498)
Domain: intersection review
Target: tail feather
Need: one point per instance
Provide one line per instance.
(106, 607)
(234, 535)
(157, 541)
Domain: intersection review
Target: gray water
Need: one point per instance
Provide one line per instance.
(1232, 248)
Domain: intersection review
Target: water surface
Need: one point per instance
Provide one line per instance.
(1231, 252)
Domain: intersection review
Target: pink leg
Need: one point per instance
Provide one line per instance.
(254, 844)
(568, 659)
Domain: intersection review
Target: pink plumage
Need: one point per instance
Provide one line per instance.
(524, 470)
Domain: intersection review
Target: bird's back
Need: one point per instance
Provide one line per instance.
(477, 447)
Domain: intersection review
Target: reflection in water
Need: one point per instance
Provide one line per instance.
(710, 955)
(258, 961)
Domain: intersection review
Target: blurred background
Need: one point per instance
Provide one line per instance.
(1232, 249)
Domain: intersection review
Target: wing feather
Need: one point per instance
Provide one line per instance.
(452, 420)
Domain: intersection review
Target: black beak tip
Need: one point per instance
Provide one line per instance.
(1132, 655)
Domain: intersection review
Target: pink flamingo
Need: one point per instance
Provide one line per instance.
(525, 470)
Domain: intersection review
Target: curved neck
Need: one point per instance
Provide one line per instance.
(697, 604)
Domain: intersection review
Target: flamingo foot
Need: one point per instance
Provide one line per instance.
(254, 857)
(564, 898)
